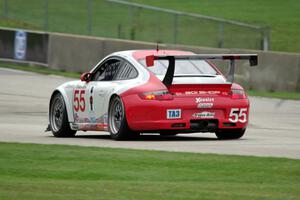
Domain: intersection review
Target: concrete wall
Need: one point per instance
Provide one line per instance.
(80, 53)
(275, 72)
(36, 50)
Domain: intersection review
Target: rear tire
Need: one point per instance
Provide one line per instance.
(229, 134)
(117, 123)
(58, 117)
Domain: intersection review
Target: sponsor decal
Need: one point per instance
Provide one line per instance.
(206, 99)
(174, 114)
(76, 117)
(178, 93)
(91, 100)
(202, 92)
(191, 92)
(205, 105)
(204, 115)
(75, 126)
(105, 119)
(93, 120)
(20, 45)
(102, 119)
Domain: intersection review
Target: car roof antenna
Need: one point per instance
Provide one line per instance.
(157, 49)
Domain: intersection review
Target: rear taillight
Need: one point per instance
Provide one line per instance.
(238, 94)
(157, 95)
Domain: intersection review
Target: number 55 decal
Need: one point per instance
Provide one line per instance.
(238, 115)
(79, 101)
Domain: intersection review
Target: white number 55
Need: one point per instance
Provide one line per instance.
(238, 115)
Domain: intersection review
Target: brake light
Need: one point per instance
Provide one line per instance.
(157, 95)
(238, 94)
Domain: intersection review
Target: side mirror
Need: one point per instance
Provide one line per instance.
(85, 77)
(150, 61)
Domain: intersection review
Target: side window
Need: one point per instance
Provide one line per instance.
(107, 71)
(127, 71)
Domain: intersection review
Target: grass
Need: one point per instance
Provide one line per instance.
(47, 71)
(280, 95)
(282, 16)
(40, 70)
(31, 171)
(111, 20)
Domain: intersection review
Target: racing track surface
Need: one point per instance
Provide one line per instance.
(274, 128)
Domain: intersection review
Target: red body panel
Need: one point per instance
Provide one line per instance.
(197, 102)
(151, 115)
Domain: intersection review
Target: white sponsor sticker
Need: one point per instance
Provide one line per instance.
(205, 105)
(20, 45)
(206, 99)
(174, 114)
(204, 115)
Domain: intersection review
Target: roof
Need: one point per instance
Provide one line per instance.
(139, 54)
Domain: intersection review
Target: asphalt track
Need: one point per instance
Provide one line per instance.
(274, 128)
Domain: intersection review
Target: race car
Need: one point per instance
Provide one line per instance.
(153, 91)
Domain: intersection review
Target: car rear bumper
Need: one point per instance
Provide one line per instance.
(147, 115)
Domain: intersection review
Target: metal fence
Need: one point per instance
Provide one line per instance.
(127, 20)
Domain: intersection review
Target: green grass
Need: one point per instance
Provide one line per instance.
(47, 71)
(31, 171)
(282, 16)
(281, 95)
(111, 20)
(40, 70)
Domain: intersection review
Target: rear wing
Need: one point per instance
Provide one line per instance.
(168, 79)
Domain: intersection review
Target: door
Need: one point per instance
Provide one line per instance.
(91, 99)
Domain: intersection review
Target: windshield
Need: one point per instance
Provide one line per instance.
(182, 67)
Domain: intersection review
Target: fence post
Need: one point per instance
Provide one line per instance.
(5, 8)
(175, 24)
(221, 35)
(46, 15)
(266, 34)
(89, 12)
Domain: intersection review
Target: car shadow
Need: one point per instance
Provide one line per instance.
(153, 138)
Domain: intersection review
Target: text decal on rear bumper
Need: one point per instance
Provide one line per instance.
(174, 114)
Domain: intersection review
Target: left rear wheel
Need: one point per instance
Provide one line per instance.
(117, 123)
(58, 118)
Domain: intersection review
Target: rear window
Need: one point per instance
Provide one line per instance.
(189, 67)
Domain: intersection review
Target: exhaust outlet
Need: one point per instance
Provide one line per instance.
(204, 125)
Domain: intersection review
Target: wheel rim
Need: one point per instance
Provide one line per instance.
(57, 114)
(116, 116)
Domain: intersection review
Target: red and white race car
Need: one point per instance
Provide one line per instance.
(154, 91)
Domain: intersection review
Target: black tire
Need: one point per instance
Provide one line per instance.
(58, 117)
(117, 123)
(230, 134)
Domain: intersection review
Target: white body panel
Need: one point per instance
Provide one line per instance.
(95, 112)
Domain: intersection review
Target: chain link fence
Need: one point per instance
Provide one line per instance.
(126, 20)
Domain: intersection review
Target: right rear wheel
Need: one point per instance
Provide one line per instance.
(229, 134)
